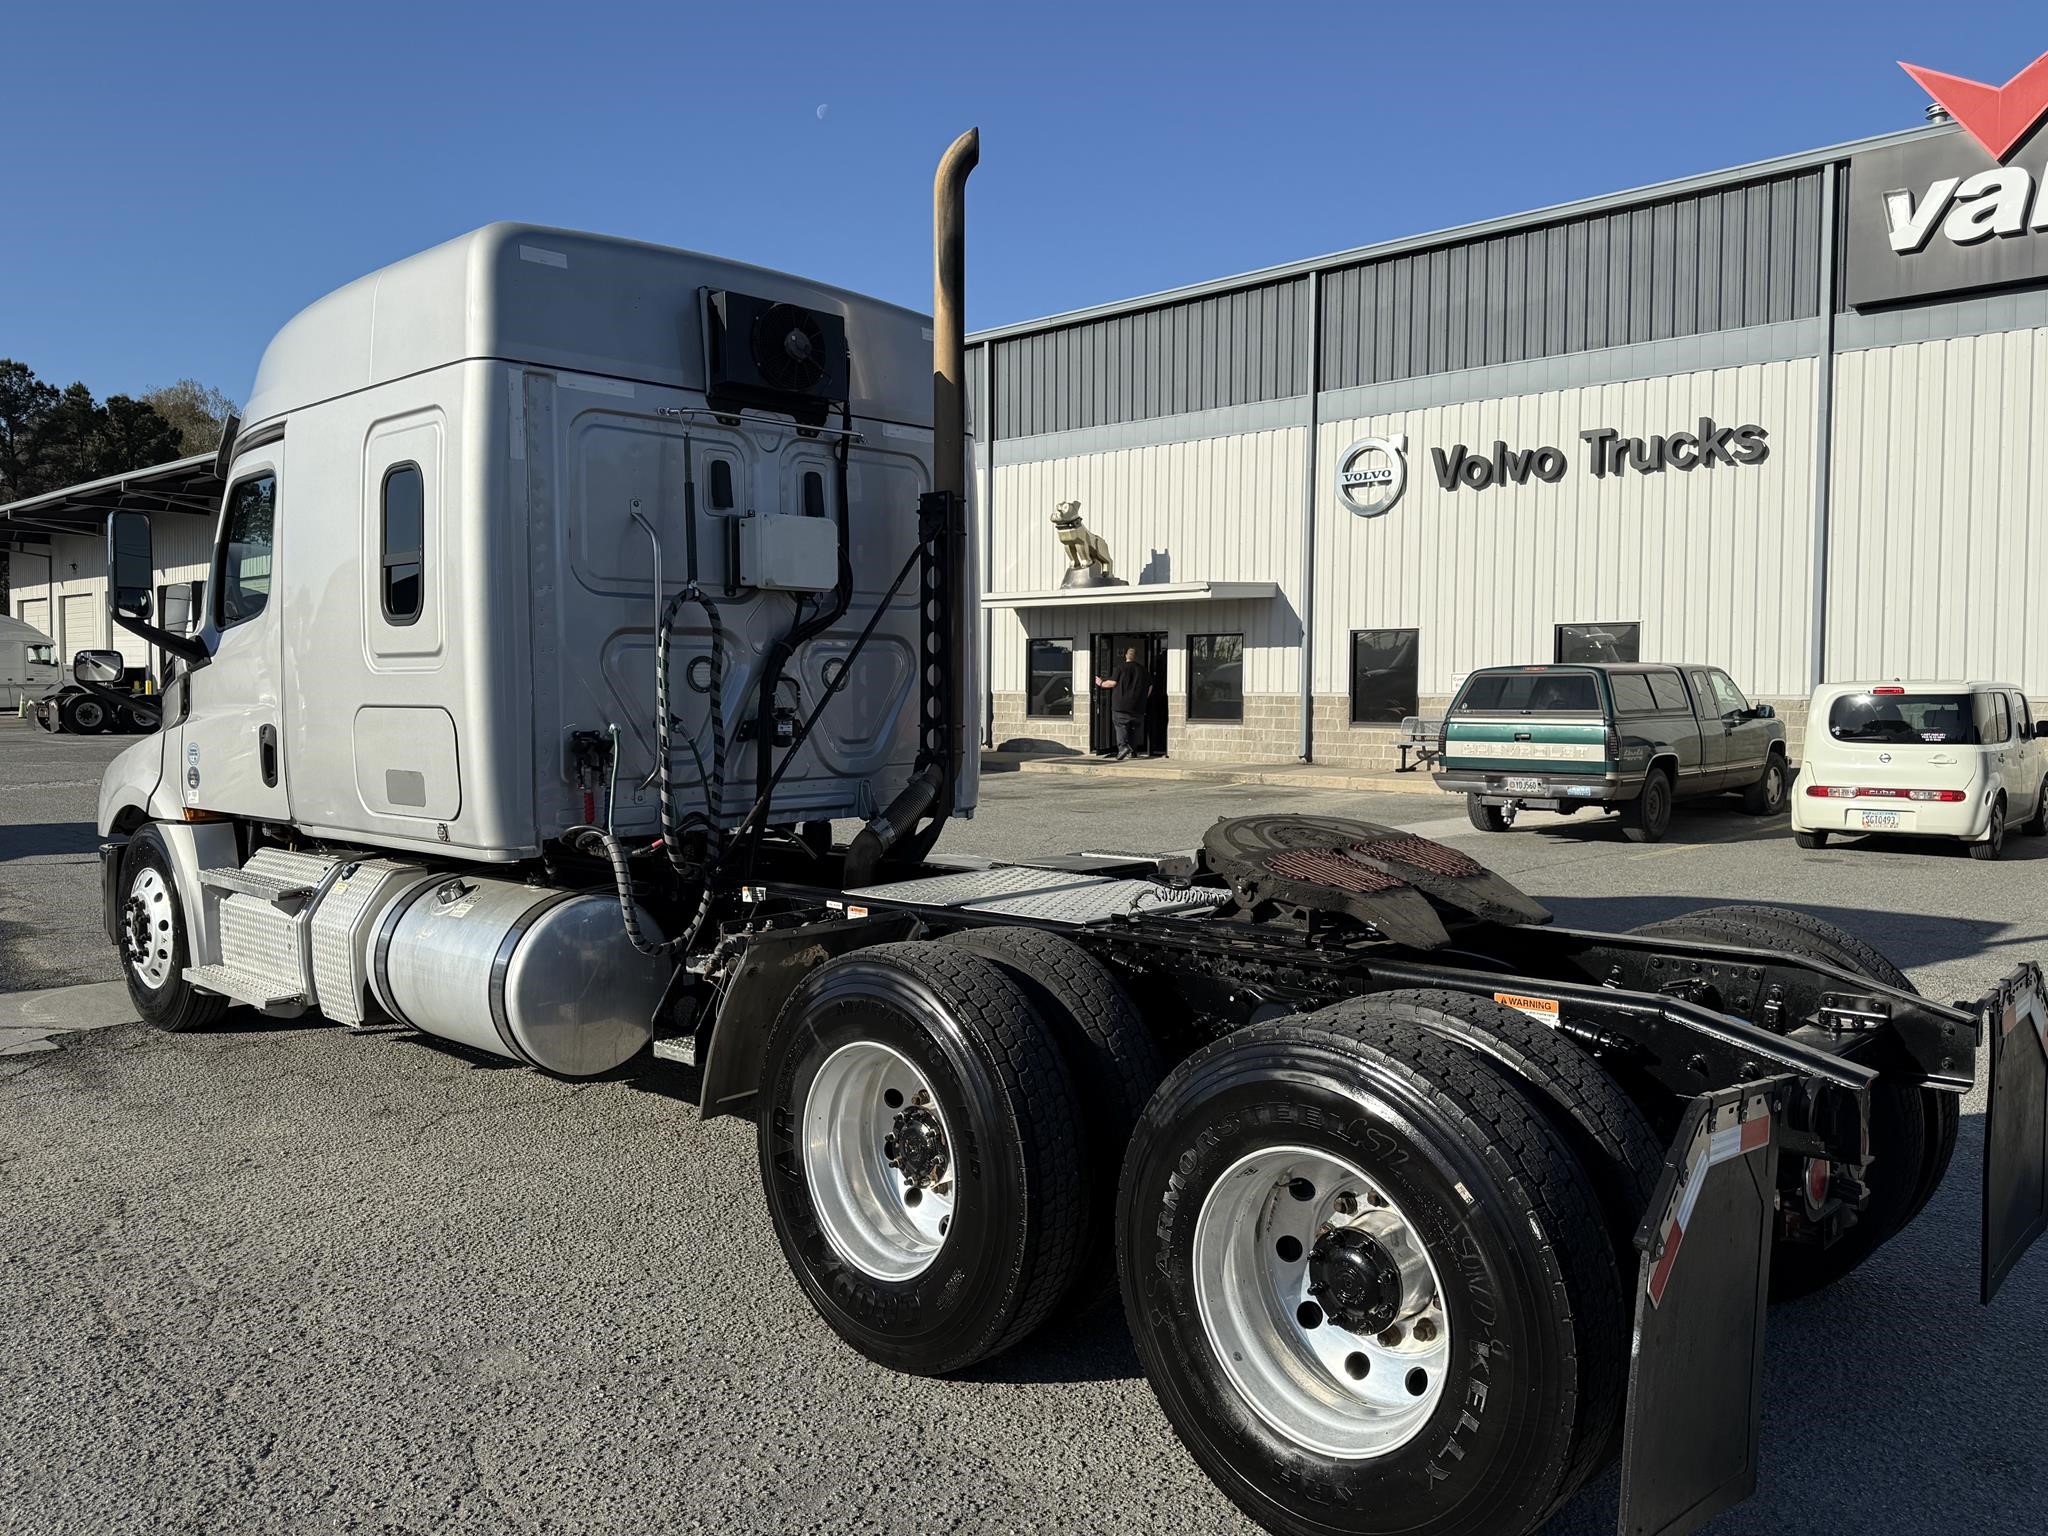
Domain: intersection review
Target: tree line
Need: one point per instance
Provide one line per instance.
(51, 437)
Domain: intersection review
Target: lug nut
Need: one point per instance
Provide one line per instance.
(1377, 1198)
(1425, 1330)
(1392, 1338)
(1347, 1203)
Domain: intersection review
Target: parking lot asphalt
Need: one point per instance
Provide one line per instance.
(288, 1278)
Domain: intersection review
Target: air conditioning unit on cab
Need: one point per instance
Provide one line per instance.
(774, 356)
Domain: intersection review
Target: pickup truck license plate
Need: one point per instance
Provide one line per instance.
(1880, 821)
(1522, 784)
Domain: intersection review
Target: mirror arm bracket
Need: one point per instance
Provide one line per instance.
(188, 648)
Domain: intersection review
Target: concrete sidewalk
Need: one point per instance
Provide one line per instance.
(1294, 775)
(29, 1021)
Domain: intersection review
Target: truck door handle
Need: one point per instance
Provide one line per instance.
(266, 754)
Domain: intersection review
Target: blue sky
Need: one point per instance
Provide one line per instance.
(185, 178)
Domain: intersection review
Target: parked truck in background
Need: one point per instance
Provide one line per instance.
(28, 662)
(1627, 739)
(567, 590)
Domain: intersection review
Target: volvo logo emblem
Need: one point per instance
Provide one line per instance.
(1372, 473)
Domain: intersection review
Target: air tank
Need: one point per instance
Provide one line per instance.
(542, 976)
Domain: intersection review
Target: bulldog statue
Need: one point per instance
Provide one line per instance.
(1088, 560)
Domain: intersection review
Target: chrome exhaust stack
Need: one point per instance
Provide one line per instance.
(945, 589)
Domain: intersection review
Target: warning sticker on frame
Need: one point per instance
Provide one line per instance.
(1544, 1008)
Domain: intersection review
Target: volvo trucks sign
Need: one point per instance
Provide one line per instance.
(1957, 211)
(1373, 472)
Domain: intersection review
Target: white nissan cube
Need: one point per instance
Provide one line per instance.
(1956, 760)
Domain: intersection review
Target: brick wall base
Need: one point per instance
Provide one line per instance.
(1270, 731)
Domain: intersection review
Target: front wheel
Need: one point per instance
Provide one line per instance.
(2037, 824)
(1994, 835)
(1369, 1285)
(1488, 818)
(921, 1152)
(154, 947)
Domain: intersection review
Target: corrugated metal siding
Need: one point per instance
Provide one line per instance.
(1716, 564)
(1739, 256)
(1937, 546)
(1224, 350)
(1221, 509)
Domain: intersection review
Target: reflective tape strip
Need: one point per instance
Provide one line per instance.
(1708, 1148)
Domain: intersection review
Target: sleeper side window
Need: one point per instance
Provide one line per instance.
(241, 572)
(403, 543)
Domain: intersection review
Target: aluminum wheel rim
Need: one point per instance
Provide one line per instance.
(882, 1221)
(89, 715)
(148, 926)
(1339, 1393)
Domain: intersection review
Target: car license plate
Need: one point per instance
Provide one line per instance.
(1521, 784)
(1880, 821)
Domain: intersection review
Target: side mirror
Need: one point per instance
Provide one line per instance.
(131, 576)
(2041, 728)
(1765, 712)
(131, 565)
(98, 666)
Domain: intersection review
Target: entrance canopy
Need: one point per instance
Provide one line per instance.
(183, 485)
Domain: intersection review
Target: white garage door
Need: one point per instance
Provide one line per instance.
(34, 612)
(82, 628)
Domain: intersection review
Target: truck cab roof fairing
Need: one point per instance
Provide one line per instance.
(560, 299)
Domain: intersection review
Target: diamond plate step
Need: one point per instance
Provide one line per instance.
(242, 986)
(268, 888)
(681, 1049)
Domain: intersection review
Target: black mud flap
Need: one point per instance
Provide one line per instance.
(1696, 1368)
(2015, 1123)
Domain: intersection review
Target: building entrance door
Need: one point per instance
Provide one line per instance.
(1106, 653)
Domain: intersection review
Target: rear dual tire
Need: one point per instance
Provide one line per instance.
(1912, 1129)
(939, 1132)
(1525, 1400)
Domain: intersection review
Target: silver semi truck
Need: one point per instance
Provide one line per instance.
(568, 591)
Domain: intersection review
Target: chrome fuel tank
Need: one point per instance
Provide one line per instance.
(542, 976)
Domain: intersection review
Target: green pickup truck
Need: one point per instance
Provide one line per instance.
(1630, 740)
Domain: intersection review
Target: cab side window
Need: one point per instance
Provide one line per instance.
(1727, 697)
(2023, 715)
(241, 571)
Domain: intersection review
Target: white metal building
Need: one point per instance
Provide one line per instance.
(1781, 419)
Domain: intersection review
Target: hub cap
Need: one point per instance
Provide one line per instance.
(878, 1161)
(1321, 1303)
(146, 931)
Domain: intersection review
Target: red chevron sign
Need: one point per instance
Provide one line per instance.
(1996, 116)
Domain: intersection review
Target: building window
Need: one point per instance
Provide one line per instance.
(1382, 676)
(405, 543)
(1215, 677)
(242, 568)
(1049, 679)
(1599, 642)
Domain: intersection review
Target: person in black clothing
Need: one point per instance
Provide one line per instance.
(1133, 685)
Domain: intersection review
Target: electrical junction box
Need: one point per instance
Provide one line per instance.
(781, 552)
